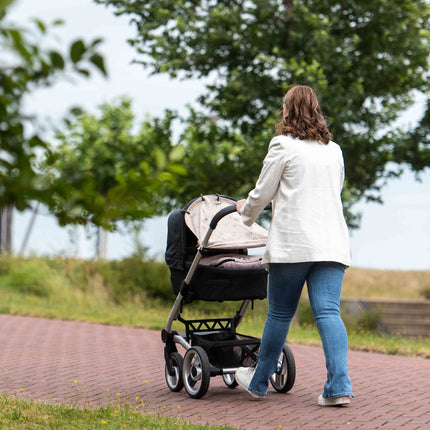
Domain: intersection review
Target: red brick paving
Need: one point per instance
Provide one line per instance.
(88, 364)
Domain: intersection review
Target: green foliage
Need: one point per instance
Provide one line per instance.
(368, 321)
(28, 64)
(366, 60)
(133, 278)
(102, 172)
(31, 277)
(127, 280)
(218, 159)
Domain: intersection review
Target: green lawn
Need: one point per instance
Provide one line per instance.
(30, 415)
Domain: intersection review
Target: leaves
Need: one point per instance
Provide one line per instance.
(77, 50)
(57, 60)
(32, 67)
(98, 61)
(365, 60)
(105, 173)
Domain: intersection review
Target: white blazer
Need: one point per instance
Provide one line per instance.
(304, 179)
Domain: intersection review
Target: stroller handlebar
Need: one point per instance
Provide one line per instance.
(221, 214)
(226, 211)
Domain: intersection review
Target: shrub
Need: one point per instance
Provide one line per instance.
(132, 277)
(368, 321)
(33, 276)
(119, 281)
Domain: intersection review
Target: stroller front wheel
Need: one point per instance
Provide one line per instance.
(229, 380)
(284, 377)
(174, 378)
(196, 372)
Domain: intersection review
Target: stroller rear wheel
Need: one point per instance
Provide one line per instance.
(284, 377)
(196, 372)
(229, 380)
(174, 379)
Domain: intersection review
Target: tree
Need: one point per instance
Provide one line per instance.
(104, 173)
(366, 60)
(26, 65)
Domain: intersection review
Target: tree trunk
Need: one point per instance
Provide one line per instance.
(101, 243)
(29, 229)
(6, 229)
(9, 216)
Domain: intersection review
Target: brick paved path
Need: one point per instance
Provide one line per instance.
(88, 364)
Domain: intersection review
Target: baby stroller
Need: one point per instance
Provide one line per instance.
(214, 266)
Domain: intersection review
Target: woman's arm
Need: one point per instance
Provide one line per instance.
(267, 185)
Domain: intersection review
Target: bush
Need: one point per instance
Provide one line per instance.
(31, 277)
(132, 277)
(368, 321)
(119, 281)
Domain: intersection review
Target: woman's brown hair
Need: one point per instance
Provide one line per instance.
(302, 117)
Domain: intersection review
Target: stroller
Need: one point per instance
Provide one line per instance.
(214, 265)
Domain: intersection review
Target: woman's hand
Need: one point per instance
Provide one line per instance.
(239, 205)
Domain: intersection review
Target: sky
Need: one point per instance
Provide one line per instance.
(394, 235)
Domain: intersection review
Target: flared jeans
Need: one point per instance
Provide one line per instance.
(324, 283)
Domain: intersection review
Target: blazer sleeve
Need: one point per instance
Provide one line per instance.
(267, 184)
(342, 169)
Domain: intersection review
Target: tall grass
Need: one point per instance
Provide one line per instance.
(137, 293)
(386, 284)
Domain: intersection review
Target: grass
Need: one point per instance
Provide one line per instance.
(74, 290)
(24, 414)
(77, 290)
(385, 284)
(153, 314)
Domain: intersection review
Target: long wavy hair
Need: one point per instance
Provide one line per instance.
(302, 117)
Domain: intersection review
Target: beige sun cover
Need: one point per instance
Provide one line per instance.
(230, 232)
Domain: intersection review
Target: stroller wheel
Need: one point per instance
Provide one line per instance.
(196, 372)
(284, 377)
(229, 380)
(174, 381)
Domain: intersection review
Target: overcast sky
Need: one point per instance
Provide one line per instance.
(395, 235)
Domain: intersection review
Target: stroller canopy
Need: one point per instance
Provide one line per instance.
(230, 233)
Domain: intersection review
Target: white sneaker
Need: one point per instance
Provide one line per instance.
(243, 377)
(335, 401)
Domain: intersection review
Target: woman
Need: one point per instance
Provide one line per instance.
(302, 175)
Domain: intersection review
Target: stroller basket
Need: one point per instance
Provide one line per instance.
(227, 349)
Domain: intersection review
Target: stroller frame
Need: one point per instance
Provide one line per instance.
(212, 346)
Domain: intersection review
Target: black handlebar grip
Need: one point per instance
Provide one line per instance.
(226, 211)
(221, 214)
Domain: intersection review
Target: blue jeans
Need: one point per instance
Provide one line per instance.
(324, 282)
